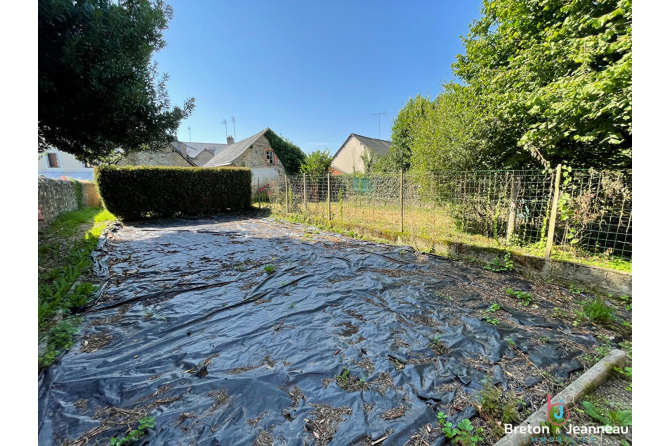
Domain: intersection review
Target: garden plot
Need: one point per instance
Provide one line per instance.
(247, 330)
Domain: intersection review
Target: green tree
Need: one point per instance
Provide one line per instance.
(317, 163)
(557, 75)
(291, 156)
(403, 133)
(98, 88)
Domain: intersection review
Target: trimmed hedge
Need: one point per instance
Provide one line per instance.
(136, 192)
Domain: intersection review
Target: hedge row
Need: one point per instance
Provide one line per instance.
(136, 192)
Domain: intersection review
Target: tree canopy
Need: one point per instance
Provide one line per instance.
(541, 82)
(317, 163)
(98, 88)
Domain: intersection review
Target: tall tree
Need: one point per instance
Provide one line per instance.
(558, 76)
(404, 130)
(98, 88)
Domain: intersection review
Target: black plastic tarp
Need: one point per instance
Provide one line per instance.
(192, 330)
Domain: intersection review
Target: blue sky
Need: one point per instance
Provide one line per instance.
(314, 71)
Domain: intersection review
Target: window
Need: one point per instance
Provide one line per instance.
(269, 156)
(52, 160)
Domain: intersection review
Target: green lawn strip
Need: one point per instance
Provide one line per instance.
(424, 224)
(64, 267)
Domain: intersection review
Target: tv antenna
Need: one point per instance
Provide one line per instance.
(189, 134)
(234, 131)
(224, 122)
(379, 115)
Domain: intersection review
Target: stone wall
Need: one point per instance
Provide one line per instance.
(256, 156)
(55, 197)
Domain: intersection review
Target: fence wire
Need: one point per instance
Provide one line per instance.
(487, 208)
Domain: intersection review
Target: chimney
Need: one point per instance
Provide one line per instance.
(231, 140)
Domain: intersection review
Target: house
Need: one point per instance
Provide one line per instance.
(255, 153)
(349, 158)
(54, 164)
(174, 155)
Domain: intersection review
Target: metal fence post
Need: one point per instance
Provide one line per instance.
(304, 191)
(402, 202)
(258, 192)
(554, 211)
(511, 219)
(286, 184)
(329, 213)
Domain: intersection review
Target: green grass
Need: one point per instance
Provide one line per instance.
(64, 261)
(434, 224)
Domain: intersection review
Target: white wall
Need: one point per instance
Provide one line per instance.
(69, 165)
(349, 158)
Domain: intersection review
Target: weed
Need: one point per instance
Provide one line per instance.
(574, 290)
(558, 313)
(597, 310)
(525, 297)
(240, 268)
(493, 308)
(510, 342)
(490, 310)
(497, 407)
(135, 434)
(463, 434)
(291, 305)
(436, 340)
(609, 418)
(444, 295)
(544, 339)
(269, 269)
(498, 266)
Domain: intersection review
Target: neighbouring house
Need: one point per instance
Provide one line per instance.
(55, 164)
(254, 152)
(175, 155)
(349, 158)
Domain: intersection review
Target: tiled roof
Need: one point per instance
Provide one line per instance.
(229, 152)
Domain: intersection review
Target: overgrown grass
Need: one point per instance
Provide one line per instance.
(64, 266)
(437, 225)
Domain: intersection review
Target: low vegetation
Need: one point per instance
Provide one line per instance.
(65, 284)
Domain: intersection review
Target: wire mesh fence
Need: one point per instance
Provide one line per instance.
(592, 210)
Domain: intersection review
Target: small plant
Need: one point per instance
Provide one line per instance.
(344, 376)
(610, 418)
(525, 297)
(240, 268)
(291, 305)
(463, 434)
(558, 313)
(269, 269)
(135, 434)
(597, 310)
(574, 290)
(444, 295)
(511, 343)
(497, 407)
(544, 339)
(436, 340)
(498, 266)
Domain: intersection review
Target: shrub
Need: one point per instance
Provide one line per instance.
(135, 192)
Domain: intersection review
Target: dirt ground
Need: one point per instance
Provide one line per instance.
(241, 331)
